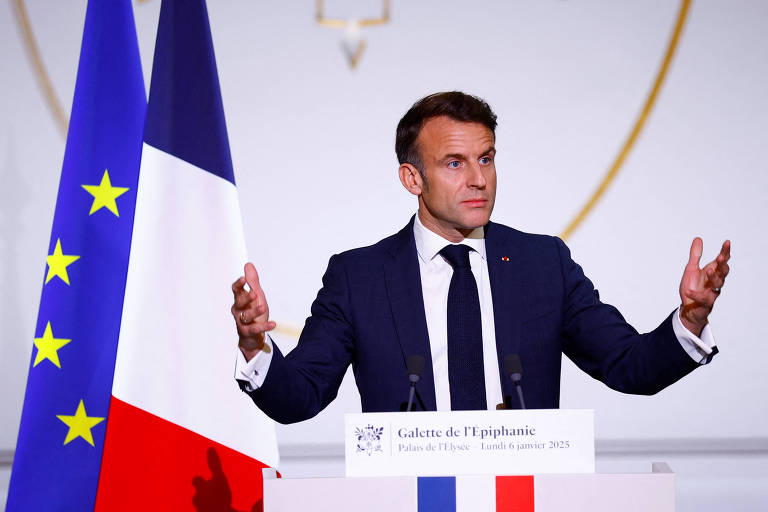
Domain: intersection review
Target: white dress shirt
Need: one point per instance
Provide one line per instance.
(436, 275)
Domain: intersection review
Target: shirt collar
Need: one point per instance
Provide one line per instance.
(429, 243)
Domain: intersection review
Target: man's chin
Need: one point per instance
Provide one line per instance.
(478, 220)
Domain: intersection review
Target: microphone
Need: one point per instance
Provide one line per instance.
(415, 367)
(514, 369)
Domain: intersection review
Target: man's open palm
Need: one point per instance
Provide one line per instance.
(700, 287)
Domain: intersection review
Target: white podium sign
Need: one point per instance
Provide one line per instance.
(500, 442)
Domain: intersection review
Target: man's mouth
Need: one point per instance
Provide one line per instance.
(475, 203)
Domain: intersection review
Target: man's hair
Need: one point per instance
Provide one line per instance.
(455, 104)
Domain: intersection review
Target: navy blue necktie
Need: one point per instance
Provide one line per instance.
(465, 334)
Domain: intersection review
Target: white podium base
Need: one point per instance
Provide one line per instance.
(549, 492)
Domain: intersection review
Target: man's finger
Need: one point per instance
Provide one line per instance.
(247, 317)
(243, 299)
(251, 312)
(694, 258)
(721, 267)
(260, 308)
(256, 328)
(262, 326)
(714, 279)
(721, 262)
(238, 285)
(725, 252)
(259, 327)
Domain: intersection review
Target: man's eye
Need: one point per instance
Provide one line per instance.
(454, 164)
(485, 160)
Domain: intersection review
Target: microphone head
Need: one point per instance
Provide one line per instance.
(513, 367)
(415, 367)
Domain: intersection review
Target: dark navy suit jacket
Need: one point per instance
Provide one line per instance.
(370, 313)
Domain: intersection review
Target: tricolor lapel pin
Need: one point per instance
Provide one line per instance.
(505, 258)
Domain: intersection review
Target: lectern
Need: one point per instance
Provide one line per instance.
(521, 461)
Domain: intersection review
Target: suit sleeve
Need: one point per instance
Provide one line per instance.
(600, 342)
(301, 384)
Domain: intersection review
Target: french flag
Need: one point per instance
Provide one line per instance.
(180, 433)
(130, 400)
(481, 493)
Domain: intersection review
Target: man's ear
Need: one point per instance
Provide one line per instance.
(411, 179)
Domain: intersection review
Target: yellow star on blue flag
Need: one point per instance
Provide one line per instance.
(58, 263)
(48, 346)
(104, 195)
(80, 424)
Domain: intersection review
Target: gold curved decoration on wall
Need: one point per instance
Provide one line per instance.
(353, 43)
(44, 81)
(636, 129)
(288, 330)
(342, 23)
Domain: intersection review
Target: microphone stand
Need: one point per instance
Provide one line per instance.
(414, 367)
(411, 394)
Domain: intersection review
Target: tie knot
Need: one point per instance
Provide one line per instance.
(457, 255)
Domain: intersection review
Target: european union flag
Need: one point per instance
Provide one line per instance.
(63, 424)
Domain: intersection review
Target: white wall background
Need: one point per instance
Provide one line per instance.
(312, 144)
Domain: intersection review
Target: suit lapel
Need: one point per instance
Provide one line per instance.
(504, 271)
(403, 281)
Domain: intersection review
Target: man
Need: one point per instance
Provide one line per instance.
(463, 293)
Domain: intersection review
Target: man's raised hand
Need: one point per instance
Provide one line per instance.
(251, 312)
(701, 286)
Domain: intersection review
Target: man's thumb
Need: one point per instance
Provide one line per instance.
(694, 257)
(251, 276)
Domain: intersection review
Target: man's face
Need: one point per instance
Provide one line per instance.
(460, 187)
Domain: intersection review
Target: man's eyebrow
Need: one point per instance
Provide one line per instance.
(459, 156)
(453, 156)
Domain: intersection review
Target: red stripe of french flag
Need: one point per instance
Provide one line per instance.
(515, 493)
(167, 467)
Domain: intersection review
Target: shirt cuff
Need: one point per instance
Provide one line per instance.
(700, 348)
(251, 374)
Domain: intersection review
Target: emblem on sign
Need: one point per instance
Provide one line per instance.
(369, 439)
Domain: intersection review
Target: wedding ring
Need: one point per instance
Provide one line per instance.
(242, 318)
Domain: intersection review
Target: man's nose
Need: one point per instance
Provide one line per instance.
(476, 177)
